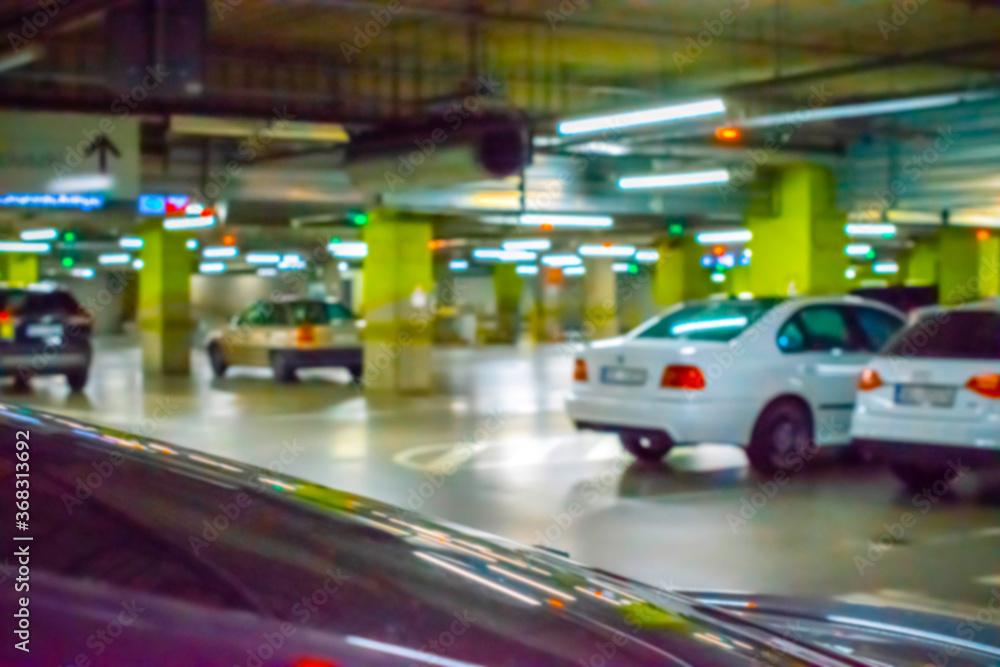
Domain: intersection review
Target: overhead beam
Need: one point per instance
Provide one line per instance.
(938, 55)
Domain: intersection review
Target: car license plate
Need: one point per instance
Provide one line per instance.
(621, 375)
(47, 331)
(925, 395)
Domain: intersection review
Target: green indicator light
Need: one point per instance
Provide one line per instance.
(360, 219)
(675, 229)
(67, 262)
(69, 237)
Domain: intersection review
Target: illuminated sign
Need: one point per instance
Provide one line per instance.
(82, 202)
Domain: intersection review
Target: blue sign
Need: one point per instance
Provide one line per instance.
(82, 202)
(152, 205)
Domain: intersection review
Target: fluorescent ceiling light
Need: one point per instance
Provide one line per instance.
(851, 273)
(263, 258)
(212, 267)
(131, 242)
(458, 265)
(976, 218)
(219, 252)
(342, 266)
(595, 250)
(647, 256)
(857, 249)
(599, 148)
(718, 277)
(527, 244)
(114, 258)
(527, 270)
(707, 325)
(496, 254)
(861, 229)
(734, 236)
(267, 272)
(674, 180)
(561, 260)
(39, 234)
(643, 117)
(86, 274)
(866, 109)
(621, 267)
(195, 222)
(535, 219)
(885, 267)
(191, 244)
(138, 264)
(574, 271)
(349, 249)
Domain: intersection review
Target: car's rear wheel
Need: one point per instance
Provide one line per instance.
(919, 476)
(217, 360)
(282, 367)
(650, 447)
(77, 379)
(781, 438)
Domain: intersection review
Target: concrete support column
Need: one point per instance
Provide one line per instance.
(958, 274)
(18, 269)
(600, 305)
(679, 275)
(989, 266)
(919, 267)
(398, 286)
(507, 285)
(799, 247)
(164, 314)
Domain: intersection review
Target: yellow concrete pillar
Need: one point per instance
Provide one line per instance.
(600, 304)
(507, 285)
(800, 248)
(958, 274)
(18, 269)
(678, 274)
(919, 267)
(398, 286)
(164, 313)
(989, 266)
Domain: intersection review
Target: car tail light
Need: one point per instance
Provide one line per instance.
(987, 385)
(870, 380)
(313, 662)
(6, 326)
(683, 377)
(306, 333)
(580, 371)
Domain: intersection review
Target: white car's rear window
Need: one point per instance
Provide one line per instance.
(710, 320)
(950, 334)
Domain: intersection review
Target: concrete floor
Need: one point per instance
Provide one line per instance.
(675, 524)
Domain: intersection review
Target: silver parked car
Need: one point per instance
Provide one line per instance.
(288, 335)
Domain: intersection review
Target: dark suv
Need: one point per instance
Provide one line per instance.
(43, 333)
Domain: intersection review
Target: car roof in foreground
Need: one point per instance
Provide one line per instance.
(520, 591)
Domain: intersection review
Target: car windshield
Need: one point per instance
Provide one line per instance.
(308, 312)
(336, 311)
(955, 334)
(25, 302)
(710, 320)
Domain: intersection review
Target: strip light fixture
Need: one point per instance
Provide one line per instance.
(597, 250)
(654, 116)
(689, 179)
(560, 220)
(735, 236)
(878, 229)
(39, 234)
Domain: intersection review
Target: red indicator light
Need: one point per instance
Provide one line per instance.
(982, 235)
(727, 133)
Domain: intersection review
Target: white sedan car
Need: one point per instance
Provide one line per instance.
(775, 376)
(930, 402)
